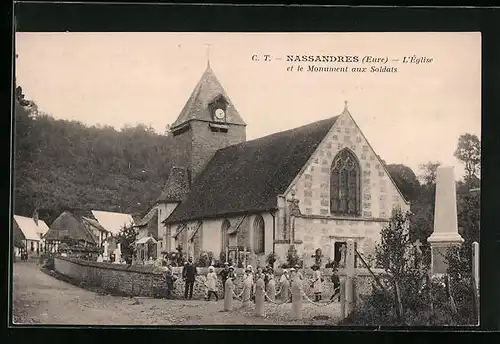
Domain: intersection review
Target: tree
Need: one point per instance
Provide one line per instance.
(468, 211)
(422, 207)
(459, 261)
(422, 221)
(127, 238)
(428, 173)
(406, 180)
(20, 98)
(392, 253)
(407, 293)
(469, 152)
(396, 255)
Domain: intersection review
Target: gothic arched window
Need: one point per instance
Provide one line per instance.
(345, 183)
(225, 235)
(258, 235)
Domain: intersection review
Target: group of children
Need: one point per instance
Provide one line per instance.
(250, 279)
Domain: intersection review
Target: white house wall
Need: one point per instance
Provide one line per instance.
(212, 236)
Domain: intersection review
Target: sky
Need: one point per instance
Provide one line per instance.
(410, 117)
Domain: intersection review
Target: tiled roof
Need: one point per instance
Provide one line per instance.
(249, 176)
(93, 223)
(149, 216)
(42, 227)
(146, 240)
(138, 216)
(67, 225)
(28, 227)
(18, 236)
(207, 89)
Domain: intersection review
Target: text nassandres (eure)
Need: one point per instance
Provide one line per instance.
(344, 63)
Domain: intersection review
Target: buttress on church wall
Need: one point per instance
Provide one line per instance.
(164, 242)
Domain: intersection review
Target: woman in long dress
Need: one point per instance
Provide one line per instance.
(229, 291)
(284, 286)
(259, 295)
(258, 274)
(316, 283)
(247, 288)
(271, 285)
(252, 277)
(297, 293)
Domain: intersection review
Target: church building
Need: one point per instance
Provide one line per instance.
(312, 187)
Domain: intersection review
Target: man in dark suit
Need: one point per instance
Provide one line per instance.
(224, 274)
(189, 275)
(336, 284)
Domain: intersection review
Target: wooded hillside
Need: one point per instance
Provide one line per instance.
(63, 164)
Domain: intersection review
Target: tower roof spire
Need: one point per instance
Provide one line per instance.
(346, 110)
(208, 54)
(197, 107)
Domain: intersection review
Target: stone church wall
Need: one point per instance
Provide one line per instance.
(205, 143)
(182, 149)
(323, 233)
(312, 188)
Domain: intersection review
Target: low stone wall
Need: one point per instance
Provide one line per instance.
(147, 280)
(121, 279)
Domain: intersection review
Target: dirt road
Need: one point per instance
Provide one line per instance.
(40, 298)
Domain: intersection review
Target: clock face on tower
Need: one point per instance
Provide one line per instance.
(219, 114)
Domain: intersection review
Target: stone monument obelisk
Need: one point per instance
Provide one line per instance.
(445, 219)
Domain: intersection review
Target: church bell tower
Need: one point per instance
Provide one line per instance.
(208, 122)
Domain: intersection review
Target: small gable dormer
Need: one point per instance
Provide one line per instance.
(218, 111)
(218, 108)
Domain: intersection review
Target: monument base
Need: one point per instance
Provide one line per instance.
(439, 247)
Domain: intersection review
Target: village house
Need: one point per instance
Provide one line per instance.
(28, 234)
(77, 226)
(87, 228)
(312, 187)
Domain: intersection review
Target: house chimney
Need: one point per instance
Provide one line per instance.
(35, 216)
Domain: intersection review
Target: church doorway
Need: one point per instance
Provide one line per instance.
(339, 250)
(337, 253)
